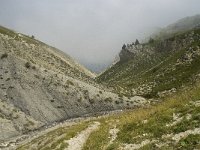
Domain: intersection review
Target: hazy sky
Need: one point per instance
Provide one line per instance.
(92, 31)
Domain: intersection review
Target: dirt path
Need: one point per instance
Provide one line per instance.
(77, 142)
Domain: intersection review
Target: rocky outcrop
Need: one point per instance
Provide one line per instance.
(125, 55)
(131, 51)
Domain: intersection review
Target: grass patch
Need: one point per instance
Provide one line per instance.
(191, 142)
(98, 139)
(134, 130)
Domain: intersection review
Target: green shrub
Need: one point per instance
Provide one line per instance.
(60, 106)
(5, 55)
(108, 99)
(33, 67)
(80, 99)
(91, 101)
(69, 82)
(190, 142)
(27, 65)
(116, 102)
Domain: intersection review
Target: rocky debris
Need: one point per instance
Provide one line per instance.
(167, 92)
(160, 145)
(195, 103)
(175, 137)
(13, 121)
(145, 121)
(113, 134)
(189, 56)
(176, 120)
(133, 51)
(145, 88)
(135, 146)
(77, 142)
(179, 136)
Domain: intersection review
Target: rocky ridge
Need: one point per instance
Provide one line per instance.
(142, 67)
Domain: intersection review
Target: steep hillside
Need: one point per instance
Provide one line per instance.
(41, 54)
(156, 68)
(172, 124)
(40, 85)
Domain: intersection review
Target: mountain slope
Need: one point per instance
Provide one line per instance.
(39, 85)
(39, 53)
(172, 124)
(156, 68)
(182, 25)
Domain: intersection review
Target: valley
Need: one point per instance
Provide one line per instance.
(148, 99)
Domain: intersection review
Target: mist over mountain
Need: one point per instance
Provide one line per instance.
(92, 32)
(99, 67)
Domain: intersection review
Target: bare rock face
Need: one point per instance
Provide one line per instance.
(40, 85)
(125, 55)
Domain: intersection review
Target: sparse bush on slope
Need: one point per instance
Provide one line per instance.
(5, 55)
(27, 65)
